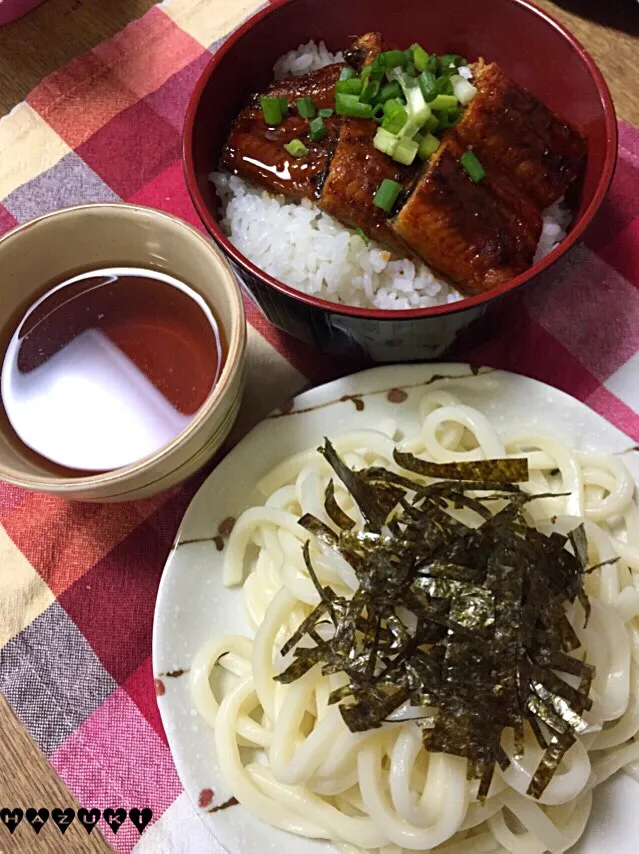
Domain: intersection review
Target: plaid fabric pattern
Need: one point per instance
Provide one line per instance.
(108, 127)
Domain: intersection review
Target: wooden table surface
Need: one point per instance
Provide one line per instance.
(47, 39)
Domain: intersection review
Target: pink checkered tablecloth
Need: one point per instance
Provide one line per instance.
(78, 582)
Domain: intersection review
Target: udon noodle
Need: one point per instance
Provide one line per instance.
(380, 789)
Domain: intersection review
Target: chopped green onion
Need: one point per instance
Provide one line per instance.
(296, 148)
(283, 105)
(375, 70)
(385, 141)
(317, 129)
(448, 118)
(378, 111)
(463, 89)
(444, 85)
(431, 124)
(349, 105)
(360, 233)
(411, 69)
(347, 73)
(393, 58)
(428, 85)
(472, 165)
(348, 87)
(405, 151)
(432, 65)
(390, 90)
(387, 194)
(448, 61)
(395, 116)
(420, 57)
(306, 107)
(325, 112)
(370, 91)
(417, 108)
(428, 146)
(443, 102)
(272, 110)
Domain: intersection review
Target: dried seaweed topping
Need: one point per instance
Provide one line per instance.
(468, 620)
(498, 471)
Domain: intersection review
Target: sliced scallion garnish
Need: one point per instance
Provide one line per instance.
(393, 58)
(388, 91)
(350, 105)
(347, 73)
(273, 109)
(395, 116)
(428, 146)
(463, 89)
(296, 148)
(448, 118)
(472, 165)
(443, 102)
(449, 61)
(405, 151)
(348, 87)
(306, 107)
(325, 112)
(385, 141)
(420, 57)
(428, 85)
(417, 108)
(370, 91)
(317, 129)
(387, 194)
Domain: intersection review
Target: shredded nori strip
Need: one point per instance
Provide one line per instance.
(468, 620)
(334, 511)
(499, 471)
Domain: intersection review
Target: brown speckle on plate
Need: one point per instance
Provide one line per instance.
(206, 798)
(226, 526)
(359, 403)
(230, 803)
(396, 395)
(159, 687)
(174, 674)
(219, 543)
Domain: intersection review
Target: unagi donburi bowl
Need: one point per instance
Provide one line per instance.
(528, 44)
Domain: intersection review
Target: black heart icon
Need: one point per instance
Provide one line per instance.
(114, 818)
(11, 818)
(140, 818)
(63, 818)
(37, 818)
(89, 818)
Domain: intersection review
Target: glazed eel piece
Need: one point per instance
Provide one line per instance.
(477, 235)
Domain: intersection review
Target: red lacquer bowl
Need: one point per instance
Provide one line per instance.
(529, 45)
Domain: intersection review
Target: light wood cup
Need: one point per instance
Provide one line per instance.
(92, 236)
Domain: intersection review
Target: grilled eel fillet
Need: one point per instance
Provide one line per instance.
(512, 131)
(477, 235)
(256, 151)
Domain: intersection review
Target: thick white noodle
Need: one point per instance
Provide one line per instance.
(381, 790)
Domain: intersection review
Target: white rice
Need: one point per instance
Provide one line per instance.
(309, 250)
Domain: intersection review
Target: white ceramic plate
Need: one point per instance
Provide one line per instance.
(193, 605)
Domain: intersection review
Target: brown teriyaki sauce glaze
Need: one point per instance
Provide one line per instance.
(110, 365)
